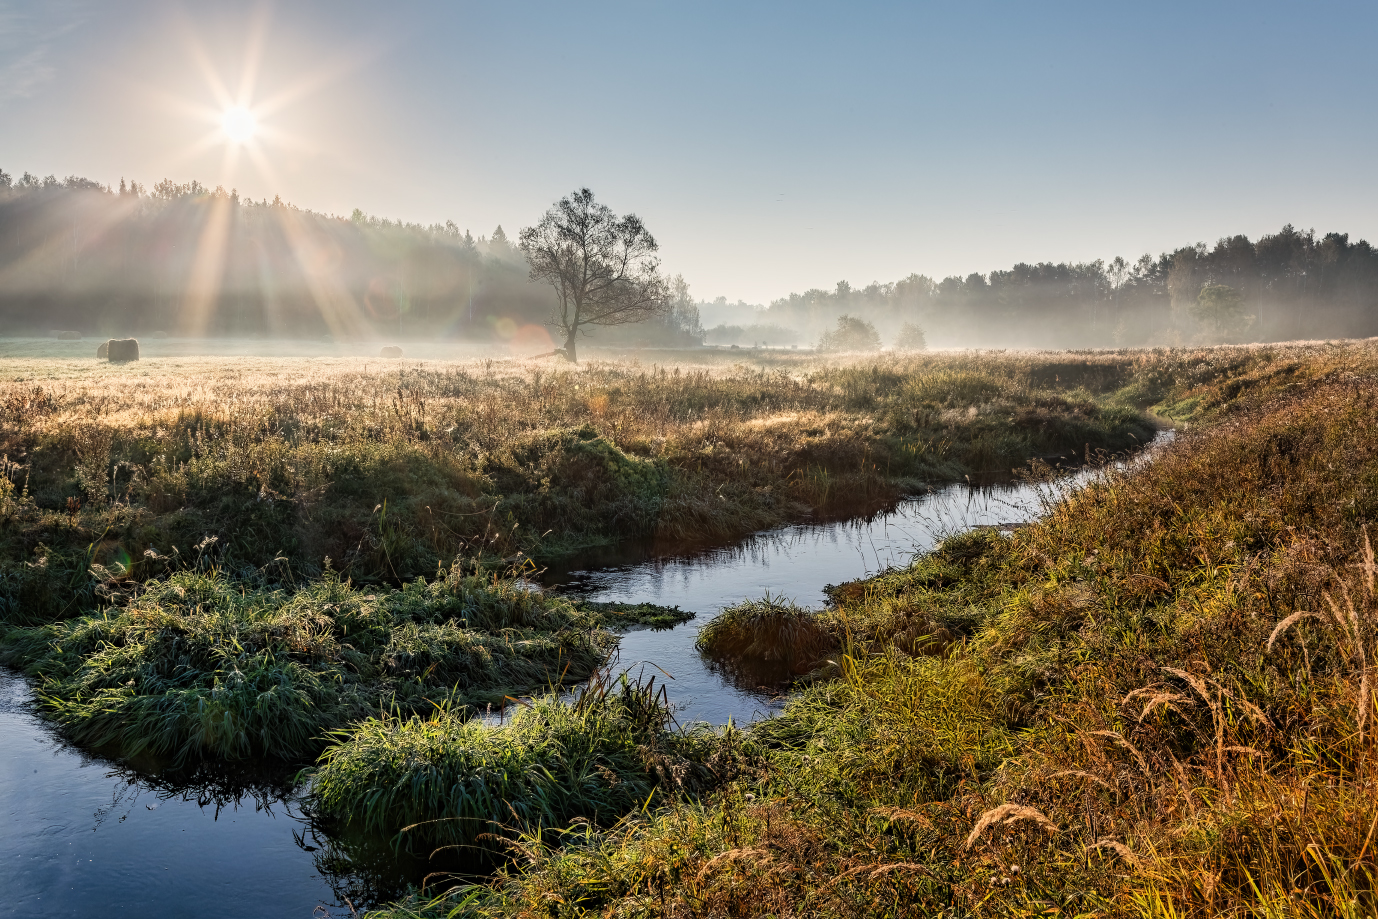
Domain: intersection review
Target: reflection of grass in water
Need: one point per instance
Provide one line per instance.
(365, 870)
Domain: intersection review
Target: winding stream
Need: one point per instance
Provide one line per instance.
(85, 836)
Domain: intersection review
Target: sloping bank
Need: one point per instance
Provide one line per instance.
(1158, 701)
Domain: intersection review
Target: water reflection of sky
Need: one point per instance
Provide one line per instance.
(83, 837)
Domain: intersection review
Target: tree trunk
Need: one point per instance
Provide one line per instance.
(569, 346)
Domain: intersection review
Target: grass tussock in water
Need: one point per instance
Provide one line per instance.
(767, 636)
(1158, 701)
(445, 780)
(199, 665)
(627, 616)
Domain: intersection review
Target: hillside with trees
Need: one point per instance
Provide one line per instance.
(1287, 285)
(192, 260)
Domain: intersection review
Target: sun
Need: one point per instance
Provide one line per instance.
(238, 124)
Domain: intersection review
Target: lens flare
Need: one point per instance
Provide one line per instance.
(239, 124)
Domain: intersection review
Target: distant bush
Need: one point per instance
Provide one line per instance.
(911, 338)
(852, 334)
(1221, 310)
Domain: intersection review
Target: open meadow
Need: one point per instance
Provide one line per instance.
(1157, 700)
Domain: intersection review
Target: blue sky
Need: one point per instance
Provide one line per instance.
(769, 146)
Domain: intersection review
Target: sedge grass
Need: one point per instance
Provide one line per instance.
(771, 634)
(445, 780)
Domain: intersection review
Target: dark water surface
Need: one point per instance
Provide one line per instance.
(79, 836)
(84, 836)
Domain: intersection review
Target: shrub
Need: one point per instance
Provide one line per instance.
(911, 338)
(852, 334)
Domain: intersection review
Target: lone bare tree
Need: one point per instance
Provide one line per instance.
(603, 267)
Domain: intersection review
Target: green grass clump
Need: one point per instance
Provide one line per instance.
(445, 780)
(770, 634)
(199, 665)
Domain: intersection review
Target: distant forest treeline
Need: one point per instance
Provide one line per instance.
(1293, 284)
(190, 260)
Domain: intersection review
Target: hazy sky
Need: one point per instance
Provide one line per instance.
(769, 146)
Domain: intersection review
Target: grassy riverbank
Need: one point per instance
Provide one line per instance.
(1158, 701)
(390, 469)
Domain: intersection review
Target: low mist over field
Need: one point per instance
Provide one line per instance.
(198, 262)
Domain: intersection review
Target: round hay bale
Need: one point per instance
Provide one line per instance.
(160, 334)
(390, 351)
(103, 351)
(68, 336)
(123, 349)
